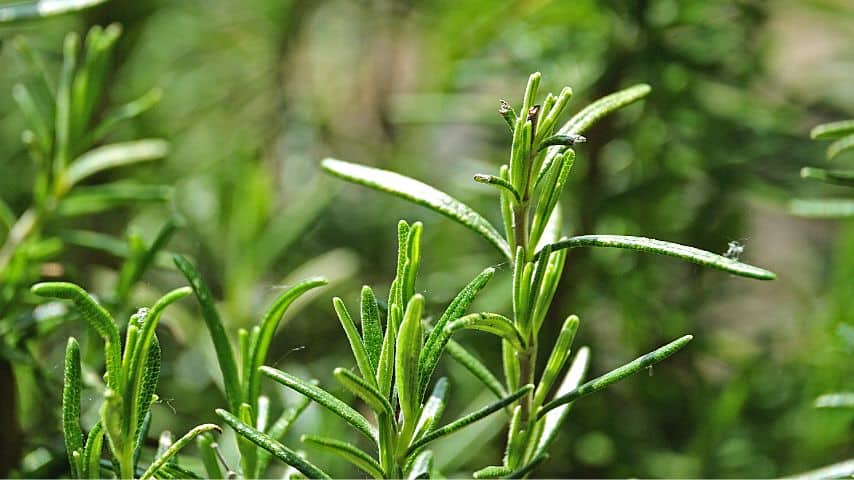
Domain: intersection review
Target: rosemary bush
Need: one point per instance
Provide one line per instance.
(529, 187)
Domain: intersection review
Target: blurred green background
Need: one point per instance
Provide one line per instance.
(257, 92)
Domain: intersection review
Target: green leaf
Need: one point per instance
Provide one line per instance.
(844, 469)
(356, 345)
(324, 398)
(281, 427)
(363, 390)
(476, 367)
(606, 105)
(617, 374)
(96, 316)
(278, 450)
(134, 390)
(36, 120)
(268, 325)
(137, 265)
(224, 354)
(205, 444)
(72, 386)
(840, 146)
(38, 9)
(492, 471)
(832, 130)
(557, 359)
(493, 323)
(422, 466)
(499, 183)
(385, 370)
(433, 408)
(835, 400)
(823, 208)
(62, 122)
(92, 452)
(94, 199)
(436, 341)
(176, 447)
(649, 245)
(406, 365)
(839, 177)
(553, 420)
(348, 452)
(125, 112)
(468, 419)
(150, 377)
(372, 333)
(112, 156)
(420, 193)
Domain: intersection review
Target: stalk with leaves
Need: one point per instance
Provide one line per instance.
(132, 373)
(394, 366)
(242, 382)
(529, 187)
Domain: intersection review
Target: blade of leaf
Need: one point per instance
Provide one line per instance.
(606, 105)
(94, 199)
(372, 333)
(468, 419)
(419, 193)
(649, 245)
(268, 328)
(42, 9)
(617, 374)
(554, 419)
(832, 130)
(363, 390)
(839, 177)
(324, 398)
(280, 451)
(280, 427)
(224, 354)
(476, 367)
(96, 316)
(348, 452)
(112, 156)
(433, 347)
(72, 386)
(176, 447)
(356, 345)
(493, 323)
(823, 208)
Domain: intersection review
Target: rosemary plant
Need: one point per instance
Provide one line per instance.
(529, 188)
(395, 365)
(132, 373)
(243, 383)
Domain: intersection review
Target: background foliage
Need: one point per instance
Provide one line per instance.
(256, 92)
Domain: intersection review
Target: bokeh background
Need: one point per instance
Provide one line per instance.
(257, 92)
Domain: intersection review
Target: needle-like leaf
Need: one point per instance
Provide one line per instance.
(43, 8)
(617, 374)
(476, 367)
(409, 343)
(839, 177)
(468, 419)
(420, 193)
(224, 354)
(436, 341)
(832, 130)
(112, 156)
(606, 105)
(268, 328)
(175, 448)
(96, 316)
(348, 452)
(555, 418)
(372, 333)
(649, 245)
(493, 323)
(324, 398)
(433, 408)
(363, 390)
(72, 386)
(356, 345)
(266, 442)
